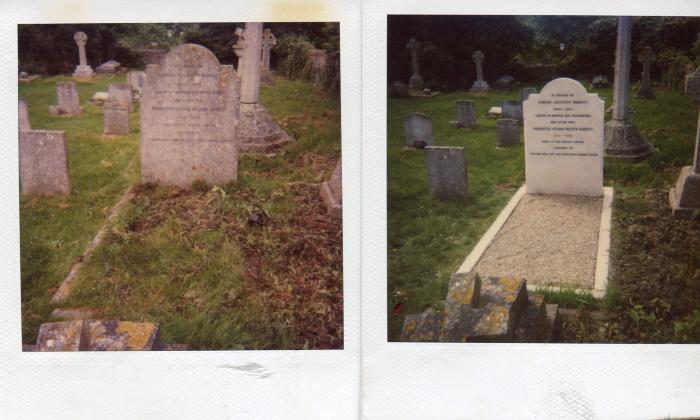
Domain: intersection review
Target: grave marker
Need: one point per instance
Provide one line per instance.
(646, 57)
(43, 162)
(526, 92)
(466, 115)
(508, 132)
(512, 110)
(419, 129)
(116, 118)
(68, 100)
(685, 197)
(83, 70)
(120, 92)
(332, 192)
(564, 140)
(447, 171)
(189, 115)
(479, 84)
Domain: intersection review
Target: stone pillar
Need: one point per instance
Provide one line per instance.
(622, 139)
(83, 71)
(23, 116)
(646, 57)
(685, 197)
(479, 85)
(415, 82)
(257, 131)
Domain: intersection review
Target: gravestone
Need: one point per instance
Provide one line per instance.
(512, 110)
(99, 98)
(447, 171)
(332, 192)
(415, 82)
(109, 67)
(508, 132)
(504, 82)
(479, 84)
(268, 41)
(466, 115)
(399, 90)
(120, 92)
(646, 57)
(135, 79)
(526, 92)
(83, 70)
(599, 82)
(256, 131)
(68, 100)
(116, 118)
(564, 140)
(43, 162)
(622, 139)
(24, 124)
(189, 115)
(685, 197)
(692, 84)
(419, 130)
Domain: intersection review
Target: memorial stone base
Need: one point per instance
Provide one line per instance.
(685, 197)
(480, 87)
(83, 72)
(257, 131)
(415, 82)
(623, 140)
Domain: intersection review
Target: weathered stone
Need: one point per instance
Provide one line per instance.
(109, 67)
(685, 197)
(332, 192)
(189, 115)
(60, 336)
(399, 90)
(552, 322)
(43, 162)
(466, 115)
(504, 291)
(447, 171)
(479, 84)
(453, 315)
(68, 100)
(419, 129)
(116, 118)
(257, 131)
(599, 82)
(564, 140)
(120, 92)
(532, 323)
(507, 133)
(120, 336)
(464, 289)
(512, 110)
(24, 124)
(415, 82)
(526, 92)
(99, 98)
(74, 313)
(495, 112)
(487, 324)
(136, 80)
(504, 82)
(646, 57)
(83, 70)
(622, 139)
(422, 327)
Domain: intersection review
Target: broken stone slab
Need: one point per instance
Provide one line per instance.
(464, 289)
(422, 327)
(509, 292)
(494, 112)
(530, 326)
(60, 336)
(98, 335)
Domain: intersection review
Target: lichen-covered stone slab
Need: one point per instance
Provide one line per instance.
(422, 327)
(504, 291)
(120, 335)
(464, 289)
(60, 336)
(530, 326)
(492, 323)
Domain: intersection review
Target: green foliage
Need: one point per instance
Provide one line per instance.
(292, 50)
(677, 64)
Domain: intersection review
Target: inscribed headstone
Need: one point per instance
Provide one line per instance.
(447, 171)
(43, 162)
(419, 129)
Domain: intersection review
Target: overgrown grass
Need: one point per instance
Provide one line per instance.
(428, 239)
(190, 261)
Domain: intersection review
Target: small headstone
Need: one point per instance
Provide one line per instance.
(508, 133)
(564, 140)
(599, 82)
(399, 90)
(332, 192)
(43, 162)
(109, 67)
(447, 171)
(479, 84)
(116, 118)
(68, 100)
(692, 84)
(504, 82)
(99, 98)
(466, 115)
(526, 92)
(512, 110)
(189, 119)
(120, 92)
(419, 128)
(494, 112)
(24, 124)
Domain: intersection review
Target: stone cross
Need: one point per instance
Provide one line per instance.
(415, 82)
(478, 58)
(268, 41)
(646, 57)
(80, 39)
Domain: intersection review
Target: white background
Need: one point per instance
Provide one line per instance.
(178, 385)
(445, 381)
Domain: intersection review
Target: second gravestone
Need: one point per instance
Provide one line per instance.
(189, 119)
(564, 140)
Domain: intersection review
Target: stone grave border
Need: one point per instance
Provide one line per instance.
(602, 264)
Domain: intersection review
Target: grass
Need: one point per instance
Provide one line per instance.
(428, 239)
(189, 259)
